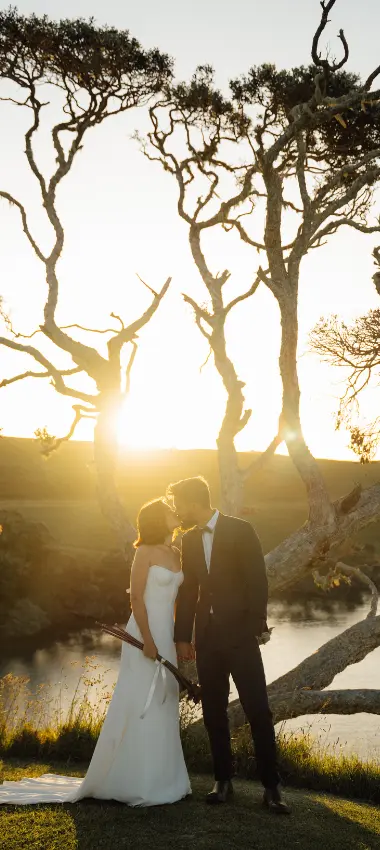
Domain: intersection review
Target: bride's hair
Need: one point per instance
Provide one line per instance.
(152, 524)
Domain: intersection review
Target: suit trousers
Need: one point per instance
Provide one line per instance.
(218, 658)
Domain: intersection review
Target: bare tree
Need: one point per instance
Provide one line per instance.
(98, 73)
(356, 348)
(322, 152)
(307, 148)
(200, 120)
(310, 144)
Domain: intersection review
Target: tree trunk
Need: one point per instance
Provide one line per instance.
(301, 690)
(283, 283)
(231, 479)
(321, 510)
(105, 456)
(234, 420)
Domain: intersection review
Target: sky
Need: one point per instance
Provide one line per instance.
(120, 219)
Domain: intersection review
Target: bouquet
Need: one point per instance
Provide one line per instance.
(192, 689)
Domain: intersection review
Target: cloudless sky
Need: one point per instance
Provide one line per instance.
(119, 216)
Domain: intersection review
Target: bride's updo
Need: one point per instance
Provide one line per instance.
(152, 524)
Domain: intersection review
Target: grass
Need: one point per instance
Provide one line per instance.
(303, 762)
(318, 821)
(41, 730)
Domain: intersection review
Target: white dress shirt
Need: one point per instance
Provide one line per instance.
(208, 538)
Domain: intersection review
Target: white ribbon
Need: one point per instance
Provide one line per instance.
(159, 669)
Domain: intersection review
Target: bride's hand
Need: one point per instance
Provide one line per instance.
(150, 649)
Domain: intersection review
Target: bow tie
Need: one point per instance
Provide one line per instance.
(205, 528)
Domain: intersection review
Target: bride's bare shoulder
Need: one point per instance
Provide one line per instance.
(142, 554)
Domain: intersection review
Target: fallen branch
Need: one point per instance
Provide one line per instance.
(362, 577)
(294, 704)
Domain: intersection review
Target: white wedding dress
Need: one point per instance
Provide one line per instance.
(138, 758)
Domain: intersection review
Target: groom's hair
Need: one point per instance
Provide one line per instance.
(191, 490)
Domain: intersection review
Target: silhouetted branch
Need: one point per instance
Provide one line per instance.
(259, 462)
(51, 444)
(147, 285)
(245, 295)
(371, 78)
(236, 224)
(316, 56)
(87, 330)
(127, 334)
(129, 367)
(333, 226)
(14, 202)
(55, 373)
(7, 381)
(200, 315)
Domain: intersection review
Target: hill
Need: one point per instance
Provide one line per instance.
(61, 491)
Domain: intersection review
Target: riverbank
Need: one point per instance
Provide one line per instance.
(86, 664)
(317, 820)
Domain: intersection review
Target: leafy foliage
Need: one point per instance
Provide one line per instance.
(200, 101)
(43, 586)
(77, 54)
(22, 546)
(276, 94)
(355, 347)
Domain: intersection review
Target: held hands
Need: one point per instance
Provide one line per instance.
(185, 651)
(150, 649)
(263, 632)
(260, 627)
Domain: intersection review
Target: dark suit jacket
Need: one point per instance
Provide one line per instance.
(236, 587)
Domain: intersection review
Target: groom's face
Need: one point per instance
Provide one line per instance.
(187, 512)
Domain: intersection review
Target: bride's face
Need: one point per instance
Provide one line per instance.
(172, 520)
(187, 514)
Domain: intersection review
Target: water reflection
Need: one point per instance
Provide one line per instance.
(300, 628)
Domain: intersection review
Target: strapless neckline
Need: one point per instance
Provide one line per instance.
(159, 567)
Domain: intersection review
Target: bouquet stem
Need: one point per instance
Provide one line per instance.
(192, 689)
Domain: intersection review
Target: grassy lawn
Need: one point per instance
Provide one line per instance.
(318, 821)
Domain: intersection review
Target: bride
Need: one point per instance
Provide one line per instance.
(138, 758)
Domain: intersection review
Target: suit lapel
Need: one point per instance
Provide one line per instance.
(218, 542)
(199, 554)
(217, 548)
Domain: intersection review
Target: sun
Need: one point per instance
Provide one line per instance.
(144, 425)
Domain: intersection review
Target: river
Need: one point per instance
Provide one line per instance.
(299, 630)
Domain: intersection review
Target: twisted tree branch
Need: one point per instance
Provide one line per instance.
(55, 373)
(324, 63)
(128, 334)
(364, 579)
(7, 381)
(285, 705)
(14, 202)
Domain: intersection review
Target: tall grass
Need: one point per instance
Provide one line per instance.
(38, 726)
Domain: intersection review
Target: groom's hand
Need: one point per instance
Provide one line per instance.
(185, 651)
(260, 626)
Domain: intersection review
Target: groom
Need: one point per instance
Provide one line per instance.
(225, 586)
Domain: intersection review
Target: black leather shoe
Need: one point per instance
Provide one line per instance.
(221, 792)
(272, 801)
